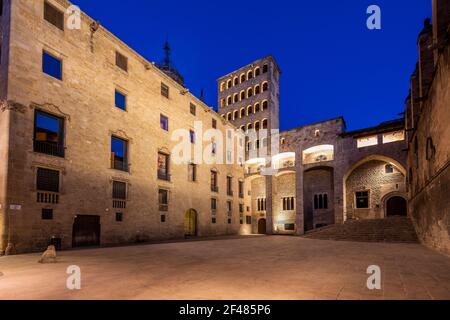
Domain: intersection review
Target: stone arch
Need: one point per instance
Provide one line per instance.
(389, 196)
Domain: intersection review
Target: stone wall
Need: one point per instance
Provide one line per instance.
(283, 187)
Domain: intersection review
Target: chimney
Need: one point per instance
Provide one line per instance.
(441, 24)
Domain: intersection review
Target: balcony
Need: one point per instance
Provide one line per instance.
(47, 197)
(47, 147)
(163, 207)
(119, 204)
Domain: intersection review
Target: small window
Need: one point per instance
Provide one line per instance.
(242, 78)
(121, 61)
(257, 72)
(241, 189)
(213, 204)
(362, 199)
(265, 104)
(213, 220)
(163, 218)
(265, 68)
(389, 168)
(192, 136)
(192, 172)
(164, 90)
(248, 219)
(214, 123)
(242, 95)
(320, 201)
(53, 15)
(119, 190)
(288, 204)
(47, 180)
(265, 87)
(163, 198)
(120, 100)
(119, 216)
(241, 208)
(163, 166)
(164, 122)
(229, 206)
(229, 186)
(289, 227)
(193, 109)
(47, 214)
(119, 154)
(51, 65)
(214, 184)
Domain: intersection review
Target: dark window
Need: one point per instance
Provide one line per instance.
(53, 15)
(192, 136)
(164, 90)
(213, 204)
(230, 186)
(250, 75)
(193, 109)
(120, 100)
(229, 101)
(163, 218)
(47, 214)
(320, 201)
(250, 92)
(362, 200)
(288, 203)
(47, 180)
(265, 104)
(164, 122)
(214, 123)
(242, 95)
(257, 72)
(119, 216)
(163, 200)
(192, 172)
(1, 7)
(265, 87)
(262, 204)
(52, 65)
(389, 168)
(236, 81)
(248, 219)
(214, 186)
(241, 189)
(242, 78)
(121, 61)
(213, 220)
(241, 208)
(257, 90)
(163, 166)
(119, 154)
(265, 68)
(48, 134)
(289, 226)
(119, 190)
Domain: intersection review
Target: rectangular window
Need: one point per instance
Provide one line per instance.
(51, 65)
(214, 123)
(241, 189)
(164, 90)
(193, 109)
(230, 186)
(47, 214)
(119, 154)
(163, 218)
(120, 100)
(248, 219)
(320, 201)
(164, 122)
(47, 180)
(213, 220)
(214, 186)
(53, 15)
(119, 216)
(288, 203)
(119, 191)
(213, 204)
(289, 227)
(48, 134)
(241, 208)
(262, 204)
(121, 61)
(367, 141)
(163, 200)
(192, 172)
(362, 199)
(192, 136)
(163, 166)
(229, 207)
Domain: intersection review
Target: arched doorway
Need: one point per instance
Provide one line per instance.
(396, 206)
(262, 226)
(190, 223)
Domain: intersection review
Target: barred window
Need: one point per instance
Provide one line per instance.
(53, 15)
(288, 203)
(119, 190)
(47, 180)
(121, 61)
(320, 201)
(164, 90)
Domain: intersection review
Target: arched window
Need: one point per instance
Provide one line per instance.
(249, 92)
(249, 126)
(282, 141)
(265, 86)
(265, 68)
(242, 78)
(242, 112)
(222, 86)
(265, 105)
(229, 83)
(229, 101)
(229, 116)
(236, 81)
(235, 114)
(222, 103)
(242, 95)
(242, 128)
(249, 110)
(235, 98)
(264, 124)
(250, 75)
(257, 89)
(257, 71)
(257, 108)
(223, 116)
(257, 127)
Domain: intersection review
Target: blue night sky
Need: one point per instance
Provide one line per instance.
(332, 64)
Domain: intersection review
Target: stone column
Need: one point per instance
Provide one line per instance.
(299, 203)
(269, 205)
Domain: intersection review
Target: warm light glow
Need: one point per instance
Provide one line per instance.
(318, 154)
(284, 160)
(367, 141)
(394, 136)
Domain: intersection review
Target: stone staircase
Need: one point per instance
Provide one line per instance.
(392, 229)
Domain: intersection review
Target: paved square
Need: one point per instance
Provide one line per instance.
(274, 267)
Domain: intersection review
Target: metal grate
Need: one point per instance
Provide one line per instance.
(121, 61)
(54, 16)
(47, 180)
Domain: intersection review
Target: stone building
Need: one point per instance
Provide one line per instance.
(87, 150)
(428, 132)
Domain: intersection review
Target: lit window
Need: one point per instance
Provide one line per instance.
(367, 141)
(394, 136)
(318, 154)
(51, 65)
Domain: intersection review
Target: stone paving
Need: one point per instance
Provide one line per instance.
(266, 267)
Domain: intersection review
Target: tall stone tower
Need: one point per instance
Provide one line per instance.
(250, 97)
